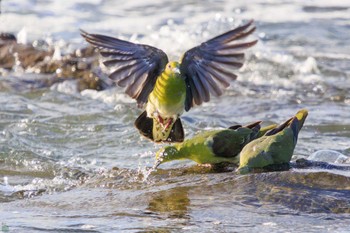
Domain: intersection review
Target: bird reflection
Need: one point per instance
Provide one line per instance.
(173, 202)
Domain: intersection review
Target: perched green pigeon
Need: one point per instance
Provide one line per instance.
(275, 147)
(166, 88)
(213, 146)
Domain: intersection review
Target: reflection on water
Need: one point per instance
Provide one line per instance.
(72, 161)
(174, 203)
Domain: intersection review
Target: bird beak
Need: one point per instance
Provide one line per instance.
(156, 164)
(176, 70)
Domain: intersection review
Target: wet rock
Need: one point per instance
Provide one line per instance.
(42, 60)
(7, 60)
(5, 37)
(311, 164)
(12, 53)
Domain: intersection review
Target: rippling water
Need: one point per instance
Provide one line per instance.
(72, 161)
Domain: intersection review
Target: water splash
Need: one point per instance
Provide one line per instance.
(22, 36)
(143, 170)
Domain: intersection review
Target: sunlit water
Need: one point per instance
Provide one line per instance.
(73, 162)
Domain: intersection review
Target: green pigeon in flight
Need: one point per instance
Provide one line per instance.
(165, 89)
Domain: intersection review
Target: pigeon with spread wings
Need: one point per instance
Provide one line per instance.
(167, 89)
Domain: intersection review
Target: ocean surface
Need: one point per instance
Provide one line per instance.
(72, 161)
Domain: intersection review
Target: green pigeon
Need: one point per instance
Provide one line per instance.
(275, 147)
(167, 89)
(213, 146)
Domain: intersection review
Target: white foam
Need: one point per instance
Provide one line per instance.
(67, 87)
(329, 156)
(22, 36)
(109, 96)
(309, 66)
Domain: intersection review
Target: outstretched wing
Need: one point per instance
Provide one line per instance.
(134, 66)
(207, 68)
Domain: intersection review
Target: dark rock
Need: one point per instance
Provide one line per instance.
(40, 59)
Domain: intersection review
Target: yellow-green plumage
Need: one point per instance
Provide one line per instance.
(214, 146)
(275, 147)
(166, 102)
(169, 91)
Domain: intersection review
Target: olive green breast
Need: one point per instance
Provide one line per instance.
(170, 89)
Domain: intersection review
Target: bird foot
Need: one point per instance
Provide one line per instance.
(165, 123)
(169, 122)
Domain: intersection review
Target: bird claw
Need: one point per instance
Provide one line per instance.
(160, 120)
(170, 121)
(165, 123)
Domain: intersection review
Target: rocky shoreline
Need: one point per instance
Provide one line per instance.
(39, 58)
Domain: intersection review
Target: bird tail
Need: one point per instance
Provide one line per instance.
(255, 130)
(295, 123)
(280, 127)
(301, 116)
(153, 130)
(145, 125)
(255, 127)
(266, 129)
(250, 126)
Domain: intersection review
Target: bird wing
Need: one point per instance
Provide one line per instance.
(135, 66)
(207, 67)
(228, 143)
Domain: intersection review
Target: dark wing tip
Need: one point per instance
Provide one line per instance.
(251, 43)
(281, 127)
(234, 127)
(252, 125)
(250, 22)
(90, 38)
(247, 25)
(83, 33)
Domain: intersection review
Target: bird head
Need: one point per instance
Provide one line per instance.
(172, 67)
(166, 154)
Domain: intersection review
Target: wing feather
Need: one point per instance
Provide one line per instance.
(207, 68)
(134, 66)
